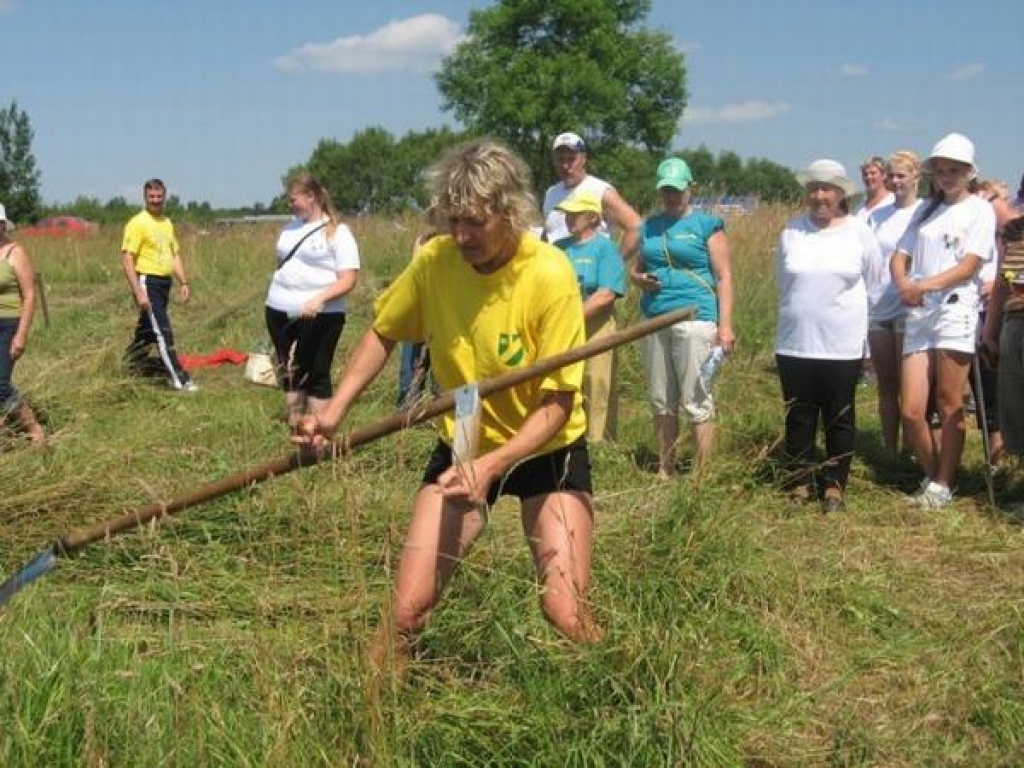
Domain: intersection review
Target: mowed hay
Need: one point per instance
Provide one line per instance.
(740, 630)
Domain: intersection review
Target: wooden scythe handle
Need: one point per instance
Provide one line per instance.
(81, 538)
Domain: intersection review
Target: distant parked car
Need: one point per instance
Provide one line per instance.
(61, 225)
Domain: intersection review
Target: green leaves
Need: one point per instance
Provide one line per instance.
(531, 69)
(19, 177)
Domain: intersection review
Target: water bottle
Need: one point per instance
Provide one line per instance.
(711, 366)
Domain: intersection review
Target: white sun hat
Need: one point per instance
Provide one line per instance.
(826, 172)
(955, 146)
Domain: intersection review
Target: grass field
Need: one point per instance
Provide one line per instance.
(741, 631)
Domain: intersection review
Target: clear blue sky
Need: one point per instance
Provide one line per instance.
(221, 98)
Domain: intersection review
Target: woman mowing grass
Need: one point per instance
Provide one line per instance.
(487, 297)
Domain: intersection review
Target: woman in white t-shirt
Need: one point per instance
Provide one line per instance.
(317, 265)
(935, 268)
(876, 191)
(823, 256)
(886, 312)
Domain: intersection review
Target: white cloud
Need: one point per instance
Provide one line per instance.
(966, 72)
(891, 125)
(687, 47)
(854, 70)
(743, 112)
(415, 44)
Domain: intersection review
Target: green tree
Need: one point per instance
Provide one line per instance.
(530, 69)
(376, 173)
(19, 177)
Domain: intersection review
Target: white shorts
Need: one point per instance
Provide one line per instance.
(672, 360)
(947, 326)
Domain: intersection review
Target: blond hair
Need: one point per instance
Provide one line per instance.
(481, 177)
(906, 159)
(309, 184)
(874, 161)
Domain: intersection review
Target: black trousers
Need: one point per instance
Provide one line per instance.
(305, 350)
(816, 389)
(154, 329)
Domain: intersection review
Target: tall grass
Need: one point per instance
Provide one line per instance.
(741, 631)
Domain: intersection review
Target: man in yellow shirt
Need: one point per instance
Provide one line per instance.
(151, 258)
(487, 297)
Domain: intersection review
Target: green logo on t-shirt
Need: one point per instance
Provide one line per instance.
(510, 349)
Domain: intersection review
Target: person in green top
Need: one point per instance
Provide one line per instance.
(17, 306)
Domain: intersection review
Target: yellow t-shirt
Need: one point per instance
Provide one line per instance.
(151, 241)
(479, 326)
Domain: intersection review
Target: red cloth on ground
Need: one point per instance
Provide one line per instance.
(220, 357)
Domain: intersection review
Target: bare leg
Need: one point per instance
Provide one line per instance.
(30, 424)
(666, 432)
(316, 404)
(951, 372)
(704, 439)
(295, 406)
(886, 350)
(560, 529)
(914, 378)
(439, 535)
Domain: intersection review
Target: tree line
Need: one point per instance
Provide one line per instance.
(526, 71)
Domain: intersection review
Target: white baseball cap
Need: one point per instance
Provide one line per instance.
(955, 146)
(572, 141)
(826, 172)
(3, 217)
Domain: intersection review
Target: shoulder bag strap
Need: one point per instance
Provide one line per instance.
(302, 239)
(687, 270)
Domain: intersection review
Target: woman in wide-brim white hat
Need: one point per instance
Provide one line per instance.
(823, 256)
(17, 307)
(935, 268)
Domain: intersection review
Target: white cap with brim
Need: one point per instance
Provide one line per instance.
(956, 147)
(826, 172)
(569, 140)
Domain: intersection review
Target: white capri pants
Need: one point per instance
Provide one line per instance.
(672, 360)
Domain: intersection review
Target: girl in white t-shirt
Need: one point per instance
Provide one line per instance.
(886, 312)
(935, 268)
(317, 266)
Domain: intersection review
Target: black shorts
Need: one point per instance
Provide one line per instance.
(564, 469)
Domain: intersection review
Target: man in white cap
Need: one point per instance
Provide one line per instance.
(569, 153)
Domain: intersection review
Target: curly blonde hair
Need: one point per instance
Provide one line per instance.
(481, 177)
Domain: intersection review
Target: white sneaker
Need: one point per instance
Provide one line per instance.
(935, 496)
(921, 488)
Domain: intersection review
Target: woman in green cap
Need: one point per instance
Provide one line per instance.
(683, 261)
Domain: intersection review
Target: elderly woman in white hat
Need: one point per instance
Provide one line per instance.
(935, 267)
(823, 256)
(17, 306)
